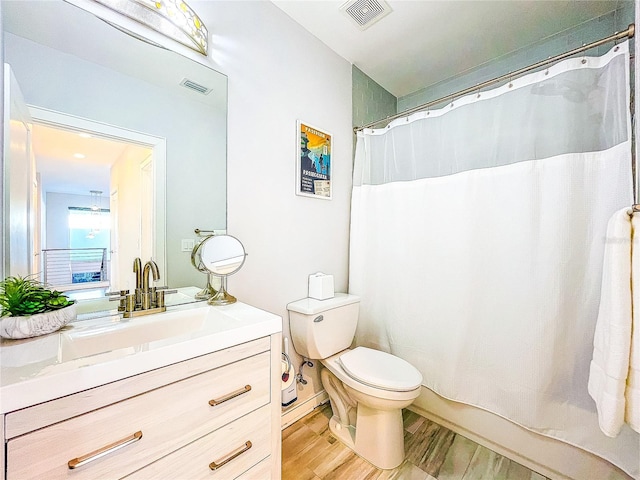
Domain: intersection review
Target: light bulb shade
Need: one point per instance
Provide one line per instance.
(173, 18)
(96, 200)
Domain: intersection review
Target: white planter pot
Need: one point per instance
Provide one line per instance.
(38, 324)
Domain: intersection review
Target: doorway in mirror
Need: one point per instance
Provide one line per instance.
(98, 189)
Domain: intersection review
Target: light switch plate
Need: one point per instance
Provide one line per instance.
(187, 244)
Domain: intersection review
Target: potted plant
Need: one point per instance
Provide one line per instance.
(29, 309)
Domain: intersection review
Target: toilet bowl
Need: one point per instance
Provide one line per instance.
(376, 391)
(367, 388)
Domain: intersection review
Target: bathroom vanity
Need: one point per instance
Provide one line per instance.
(189, 393)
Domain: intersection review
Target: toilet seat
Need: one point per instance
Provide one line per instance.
(380, 370)
(334, 365)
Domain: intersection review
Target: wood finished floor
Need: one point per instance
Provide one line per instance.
(311, 452)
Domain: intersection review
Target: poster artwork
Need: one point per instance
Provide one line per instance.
(314, 165)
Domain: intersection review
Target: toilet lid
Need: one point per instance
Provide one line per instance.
(381, 370)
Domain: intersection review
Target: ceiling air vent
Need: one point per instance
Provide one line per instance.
(195, 86)
(365, 13)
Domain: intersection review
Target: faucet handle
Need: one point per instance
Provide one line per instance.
(120, 293)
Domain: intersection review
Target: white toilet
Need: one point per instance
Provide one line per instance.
(367, 388)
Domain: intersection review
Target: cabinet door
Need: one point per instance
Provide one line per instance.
(168, 418)
(222, 455)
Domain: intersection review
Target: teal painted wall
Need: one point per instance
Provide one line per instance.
(556, 44)
(370, 101)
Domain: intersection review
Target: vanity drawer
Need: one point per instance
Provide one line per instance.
(235, 448)
(261, 471)
(168, 418)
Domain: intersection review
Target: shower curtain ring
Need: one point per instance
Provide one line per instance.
(546, 72)
(478, 95)
(584, 57)
(510, 82)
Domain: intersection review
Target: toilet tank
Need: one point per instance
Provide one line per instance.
(321, 328)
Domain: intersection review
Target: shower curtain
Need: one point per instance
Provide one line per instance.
(477, 239)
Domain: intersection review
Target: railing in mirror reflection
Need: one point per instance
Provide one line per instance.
(75, 268)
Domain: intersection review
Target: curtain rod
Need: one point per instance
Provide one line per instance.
(629, 32)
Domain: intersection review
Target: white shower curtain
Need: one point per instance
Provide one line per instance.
(477, 239)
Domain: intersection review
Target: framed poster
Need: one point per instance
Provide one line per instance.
(313, 163)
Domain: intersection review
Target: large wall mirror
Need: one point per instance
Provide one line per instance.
(127, 150)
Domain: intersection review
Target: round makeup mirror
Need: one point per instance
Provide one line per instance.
(196, 260)
(222, 255)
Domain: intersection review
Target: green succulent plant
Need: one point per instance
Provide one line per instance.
(23, 296)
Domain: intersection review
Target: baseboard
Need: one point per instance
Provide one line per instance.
(298, 410)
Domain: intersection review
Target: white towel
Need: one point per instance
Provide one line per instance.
(632, 393)
(610, 366)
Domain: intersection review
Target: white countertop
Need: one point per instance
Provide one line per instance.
(89, 353)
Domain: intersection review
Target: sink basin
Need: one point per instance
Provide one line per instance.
(91, 338)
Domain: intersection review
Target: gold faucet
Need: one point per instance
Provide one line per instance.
(152, 267)
(145, 299)
(137, 269)
(148, 295)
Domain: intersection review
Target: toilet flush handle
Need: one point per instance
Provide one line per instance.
(318, 319)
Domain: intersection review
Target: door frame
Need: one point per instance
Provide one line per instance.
(157, 144)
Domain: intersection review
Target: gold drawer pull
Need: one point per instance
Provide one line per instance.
(101, 452)
(237, 393)
(232, 455)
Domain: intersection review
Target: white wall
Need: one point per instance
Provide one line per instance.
(126, 178)
(278, 73)
(57, 213)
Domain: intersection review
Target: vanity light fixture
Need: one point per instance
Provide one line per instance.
(173, 18)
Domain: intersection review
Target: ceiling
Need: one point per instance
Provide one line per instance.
(421, 43)
(62, 171)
